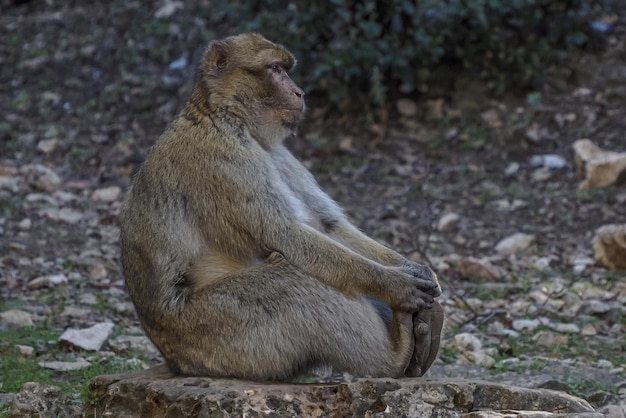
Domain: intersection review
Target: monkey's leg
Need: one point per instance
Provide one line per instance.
(272, 322)
(427, 325)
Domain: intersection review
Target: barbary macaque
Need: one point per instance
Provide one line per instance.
(239, 265)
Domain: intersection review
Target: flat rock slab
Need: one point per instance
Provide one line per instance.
(157, 393)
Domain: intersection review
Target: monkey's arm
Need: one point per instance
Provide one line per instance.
(348, 234)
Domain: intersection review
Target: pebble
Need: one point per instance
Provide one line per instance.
(595, 307)
(466, 342)
(15, 318)
(65, 366)
(406, 107)
(448, 222)
(552, 161)
(514, 243)
(47, 145)
(550, 339)
(25, 350)
(526, 324)
(47, 281)
(589, 330)
(108, 194)
(563, 328)
(41, 178)
(90, 339)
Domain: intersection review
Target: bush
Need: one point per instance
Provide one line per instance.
(355, 50)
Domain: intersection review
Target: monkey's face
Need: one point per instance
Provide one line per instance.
(250, 76)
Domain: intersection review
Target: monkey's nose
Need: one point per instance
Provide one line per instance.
(299, 93)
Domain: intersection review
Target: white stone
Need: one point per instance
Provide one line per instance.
(563, 328)
(466, 342)
(526, 324)
(107, 194)
(514, 243)
(65, 366)
(15, 318)
(90, 338)
(47, 281)
(25, 350)
(448, 222)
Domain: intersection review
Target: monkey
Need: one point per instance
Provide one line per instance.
(239, 265)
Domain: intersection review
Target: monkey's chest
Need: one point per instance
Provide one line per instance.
(297, 208)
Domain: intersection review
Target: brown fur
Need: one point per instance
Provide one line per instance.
(239, 265)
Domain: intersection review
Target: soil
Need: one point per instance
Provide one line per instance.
(86, 89)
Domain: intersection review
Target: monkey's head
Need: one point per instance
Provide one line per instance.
(247, 75)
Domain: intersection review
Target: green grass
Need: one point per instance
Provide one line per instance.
(16, 369)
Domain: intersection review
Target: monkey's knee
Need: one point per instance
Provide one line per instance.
(427, 326)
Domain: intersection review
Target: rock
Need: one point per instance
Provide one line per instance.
(491, 118)
(447, 222)
(581, 263)
(40, 400)
(65, 366)
(168, 9)
(41, 178)
(514, 243)
(568, 328)
(25, 224)
(595, 307)
(553, 161)
(74, 312)
(133, 342)
(588, 330)
(25, 350)
(466, 342)
(108, 194)
(47, 145)
(474, 268)
(66, 215)
(406, 107)
(550, 339)
(157, 393)
(90, 338)
(601, 168)
(609, 246)
(526, 324)
(15, 318)
(98, 272)
(47, 281)
(541, 174)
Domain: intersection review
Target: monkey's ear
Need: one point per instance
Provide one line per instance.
(215, 58)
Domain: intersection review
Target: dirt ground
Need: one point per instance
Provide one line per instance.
(86, 89)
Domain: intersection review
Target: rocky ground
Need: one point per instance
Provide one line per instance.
(460, 181)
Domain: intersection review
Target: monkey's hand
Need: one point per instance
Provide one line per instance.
(407, 291)
(426, 278)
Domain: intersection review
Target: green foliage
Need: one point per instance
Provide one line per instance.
(363, 49)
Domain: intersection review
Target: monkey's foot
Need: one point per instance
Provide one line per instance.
(427, 327)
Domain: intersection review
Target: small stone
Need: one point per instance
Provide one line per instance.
(65, 214)
(595, 307)
(609, 246)
(479, 269)
(47, 145)
(98, 272)
(15, 318)
(491, 118)
(41, 178)
(65, 366)
(541, 174)
(514, 243)
(90, 338)
(564, 328)
(550, 339)
(466, 342)
(525, 324)
(25, 224)
(73, 312)
(25, 350)
(168, 9)
(552, 161)
(88, 299)
(107, 194)
(589, 330)
(448, 222)
(406, 107)
(134, 343)
(511, 169)
(47, 281)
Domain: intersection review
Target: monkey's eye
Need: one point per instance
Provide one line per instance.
(276, 68)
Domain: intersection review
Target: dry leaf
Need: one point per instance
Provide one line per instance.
(609, 246)
(601, 168)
